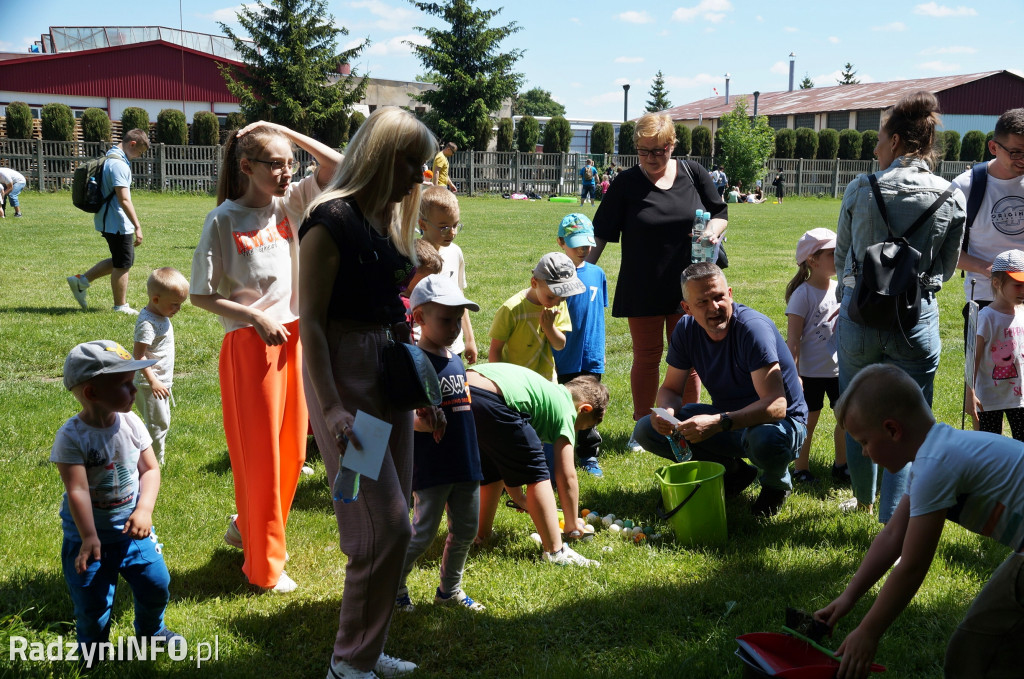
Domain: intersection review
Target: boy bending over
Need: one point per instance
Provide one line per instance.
(973, 478)
(516, 411)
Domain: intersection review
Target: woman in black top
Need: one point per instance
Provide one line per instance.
(357, 251)
(651, 208)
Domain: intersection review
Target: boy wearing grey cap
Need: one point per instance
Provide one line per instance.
(534, 321)
(105, 458)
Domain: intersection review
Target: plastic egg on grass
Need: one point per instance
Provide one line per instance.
(627, 524)
(637, 530)
(585, 513)
(614, 528)
(561, 524)
(619, 523)
(639, 537)
(607, 520)
(588, 529)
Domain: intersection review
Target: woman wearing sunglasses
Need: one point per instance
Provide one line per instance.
(650, 209)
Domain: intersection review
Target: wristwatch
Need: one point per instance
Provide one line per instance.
(725, 422)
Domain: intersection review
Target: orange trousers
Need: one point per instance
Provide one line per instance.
(646, 334)
(265, 422)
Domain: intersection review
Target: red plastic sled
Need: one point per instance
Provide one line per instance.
(770, 654)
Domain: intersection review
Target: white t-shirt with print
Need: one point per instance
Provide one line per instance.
(110, 456)
(998, 381)
(454, 267)
(819, 309)
(998, 227)
(156, 331)
(251, 255)
(977, 476)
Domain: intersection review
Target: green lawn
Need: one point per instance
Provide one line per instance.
(652, 610)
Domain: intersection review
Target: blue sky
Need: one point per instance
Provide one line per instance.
(583, 52)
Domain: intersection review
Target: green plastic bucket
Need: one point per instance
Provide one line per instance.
(694, 497)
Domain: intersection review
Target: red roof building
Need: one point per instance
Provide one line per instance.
(968, 102)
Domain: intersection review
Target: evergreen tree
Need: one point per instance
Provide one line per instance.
(506, 135)
(289, 65)
(602, 138)
(659, 96)
(557, 135)
(806, 83)
(537, 102)
(848, 75)
(747, 144)
(472, 75)
(527, 134)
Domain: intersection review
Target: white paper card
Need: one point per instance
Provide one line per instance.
(666, 415)
(373, 434)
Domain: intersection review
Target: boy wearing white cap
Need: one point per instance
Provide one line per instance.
(105, 458)
(446, 469)
(811, 313)
(534, 321)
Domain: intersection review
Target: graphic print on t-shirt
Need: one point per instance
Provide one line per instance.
(248, 241)
(1004, 359)
(1008, 215)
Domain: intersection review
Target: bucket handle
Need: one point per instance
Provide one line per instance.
(669, 514)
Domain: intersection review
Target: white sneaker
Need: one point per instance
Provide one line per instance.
(457, 598)
(633, 447)
(125, 309)
(284, 584)
(566, 556)
(79, 285)
(233, 536)
(388, 667)
(342, 670)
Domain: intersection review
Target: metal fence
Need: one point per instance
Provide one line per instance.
(50, 166)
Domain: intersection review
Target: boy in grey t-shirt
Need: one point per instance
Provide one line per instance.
(105, 459)
(975, 479)
(154, 338)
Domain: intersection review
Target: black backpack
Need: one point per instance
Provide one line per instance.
(888, 291)
(86, 187)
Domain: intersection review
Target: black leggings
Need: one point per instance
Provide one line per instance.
(992, 421)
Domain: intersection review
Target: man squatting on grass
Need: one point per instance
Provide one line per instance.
(972, 478)
(757, 404)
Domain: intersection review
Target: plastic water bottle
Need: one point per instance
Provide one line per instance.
(680, 448)
(346, 485)
(697, 247)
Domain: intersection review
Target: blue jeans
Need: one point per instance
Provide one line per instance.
(918, 354)
(771, 447)
(15, 190)
(140, 562)
(463, 503)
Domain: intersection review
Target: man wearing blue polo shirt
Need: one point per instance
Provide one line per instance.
(757, 406)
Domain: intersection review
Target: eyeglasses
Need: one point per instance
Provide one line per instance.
(277, 166)
(446, 229)
(657, 153)
(1014, 155)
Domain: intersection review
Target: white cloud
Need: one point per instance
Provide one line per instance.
(576, 85)
(622, 81)
(710, 10)
(759, 19)
(780, 67)
(941, 66)
(395, 45)
(392, 18)
(833, 39)
(613, 97)
(628, 60)
(636, 17)
(934, 9)
(574, 20)
(228, 15)
(700, 80)
(890, 27)
(953, 49)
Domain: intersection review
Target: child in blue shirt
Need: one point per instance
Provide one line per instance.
(105, 458)
(583, 353)
(446, 469)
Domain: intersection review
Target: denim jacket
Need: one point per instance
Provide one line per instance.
(908, 188)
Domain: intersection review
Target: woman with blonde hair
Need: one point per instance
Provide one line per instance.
(908, 189)
(357, 253)
(245, 270)
(651, 208)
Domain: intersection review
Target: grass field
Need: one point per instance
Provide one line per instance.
(651, 610)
